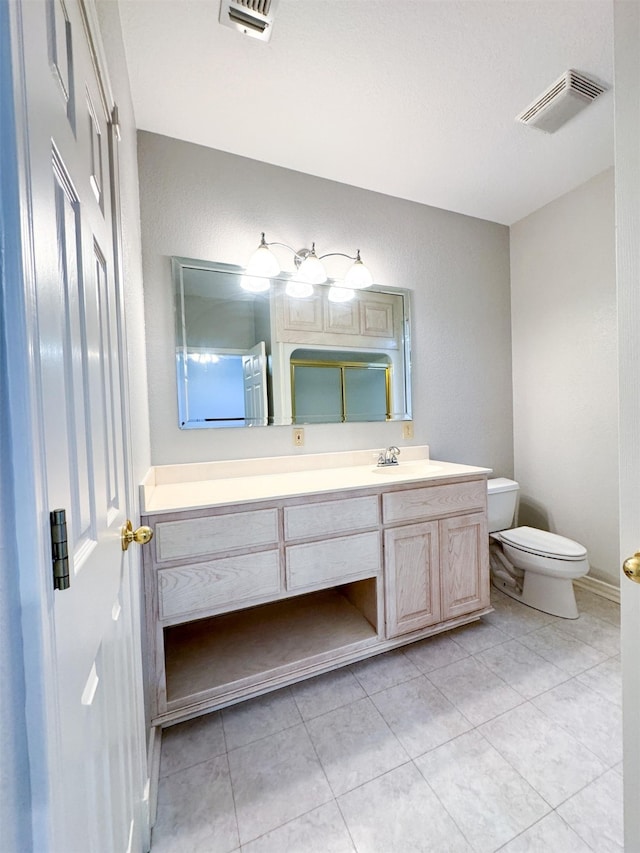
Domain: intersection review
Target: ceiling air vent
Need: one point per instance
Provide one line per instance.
(561, 102)
(252, 17)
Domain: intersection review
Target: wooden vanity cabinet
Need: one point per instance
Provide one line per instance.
(437, 570)
(243, 599)
(464, 564)
(412, 578)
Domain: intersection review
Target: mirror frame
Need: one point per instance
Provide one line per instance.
(179, 264)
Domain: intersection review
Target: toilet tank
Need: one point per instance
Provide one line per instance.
(502, 495)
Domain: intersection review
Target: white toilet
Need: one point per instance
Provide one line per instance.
(533, 566)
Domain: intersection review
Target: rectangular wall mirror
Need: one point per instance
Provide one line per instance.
(246, 358)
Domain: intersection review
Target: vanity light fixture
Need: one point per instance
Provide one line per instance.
(309, 267)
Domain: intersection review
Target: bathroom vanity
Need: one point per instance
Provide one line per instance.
(264, 572)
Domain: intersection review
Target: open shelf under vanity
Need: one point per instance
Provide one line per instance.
(235, 650)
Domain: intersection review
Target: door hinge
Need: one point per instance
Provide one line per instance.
(59, 550)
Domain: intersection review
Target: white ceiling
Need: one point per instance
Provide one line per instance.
(412, 98)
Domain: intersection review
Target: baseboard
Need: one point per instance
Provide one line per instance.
(155, 743)
(602, 588)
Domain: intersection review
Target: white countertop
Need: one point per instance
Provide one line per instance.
(179, 487)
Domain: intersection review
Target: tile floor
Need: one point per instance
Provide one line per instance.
(502, 735)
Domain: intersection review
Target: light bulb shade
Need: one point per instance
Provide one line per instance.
(340, 294)
(254, 284)
(311, 270)
(299, 289)
(358, 276)
(263, 262)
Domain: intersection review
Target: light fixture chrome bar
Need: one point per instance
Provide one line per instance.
(308, 264)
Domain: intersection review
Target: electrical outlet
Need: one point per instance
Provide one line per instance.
(298, 437)
(407, 429)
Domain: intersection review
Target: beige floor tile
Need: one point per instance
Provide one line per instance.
(489, 800)
(322, 830)
(605, 679)
(522, 668)
(564, 651)
(355, 745)
(192, 742)
(435, 652)
(478, 636)
(398, 813)
(476, 692)
(495, 784)
(549, 834)
(382, 671)
(598, 606)
(275, 780)
(419, 715)
(586, 715)
(594, 632)
(257, 718)
(325, 693)
(196, 811)
(550, 759)
(513, 618)
(595, 814)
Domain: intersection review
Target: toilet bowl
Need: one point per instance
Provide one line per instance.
(533, 566)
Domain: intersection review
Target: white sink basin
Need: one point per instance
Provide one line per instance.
(408, 469)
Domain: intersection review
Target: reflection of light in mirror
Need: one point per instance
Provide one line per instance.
(203, 357)
(299, 289)
(340, 294)
(254, 284)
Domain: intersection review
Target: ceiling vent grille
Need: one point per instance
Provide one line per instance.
(251, 17)
(561, 102)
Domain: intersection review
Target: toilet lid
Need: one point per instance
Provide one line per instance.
(543, 543)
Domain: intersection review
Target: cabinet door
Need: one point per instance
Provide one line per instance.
(464, 564)
(412, 588)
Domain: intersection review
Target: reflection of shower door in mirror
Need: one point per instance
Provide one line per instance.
(254, 372)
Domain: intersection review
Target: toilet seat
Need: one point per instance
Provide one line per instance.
(543, 544)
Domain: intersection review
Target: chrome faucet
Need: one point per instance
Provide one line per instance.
(389, 456)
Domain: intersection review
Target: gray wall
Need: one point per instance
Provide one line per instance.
(202, 203)
(563, 296)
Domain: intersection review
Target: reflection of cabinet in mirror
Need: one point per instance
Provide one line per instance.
(358, 350)
(234, 348)
(369, 320)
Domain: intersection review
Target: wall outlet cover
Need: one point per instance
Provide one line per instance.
(298, 437)
(407, 429)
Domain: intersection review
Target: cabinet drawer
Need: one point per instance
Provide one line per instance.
(330, 517)
(192, 537)
(333, 561)
(218, 583)
(433, 501)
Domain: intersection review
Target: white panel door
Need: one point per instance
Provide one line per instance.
(254, 371)
(97, 772)
(627, 164)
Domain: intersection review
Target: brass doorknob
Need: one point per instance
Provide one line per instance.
(128, 535)
(631, 567)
